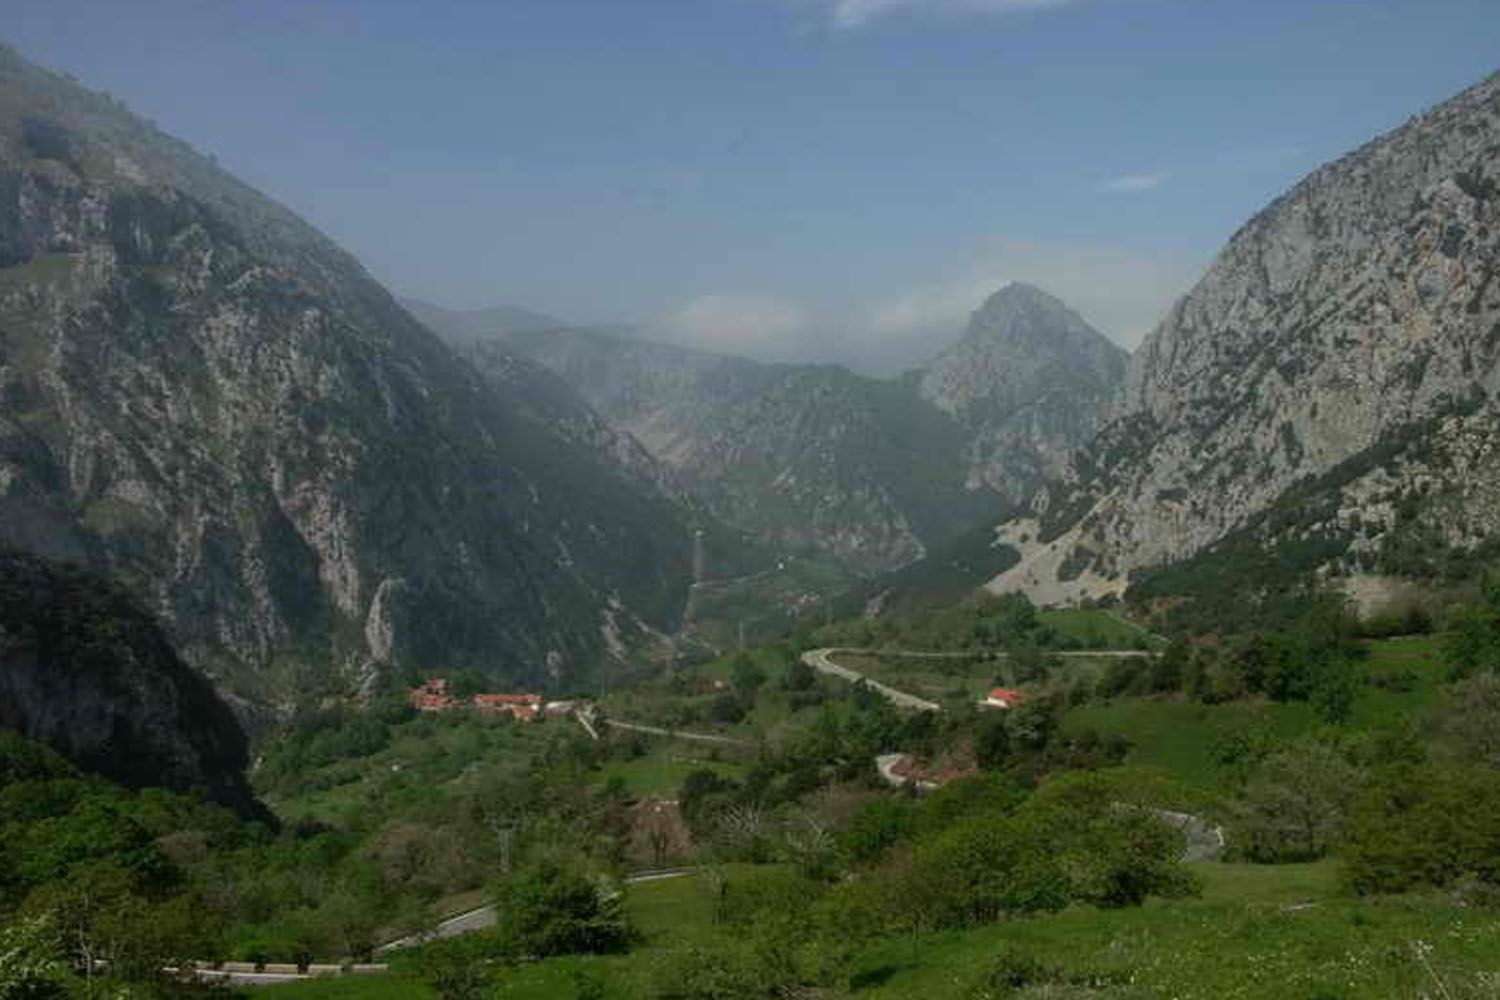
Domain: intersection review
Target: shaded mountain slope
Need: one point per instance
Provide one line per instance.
(206, 398)
(85, 670)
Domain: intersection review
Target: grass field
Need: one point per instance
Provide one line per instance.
(1176, 737)
(1096, 629)
(945, 681)
(662, 770)
(1256, 931)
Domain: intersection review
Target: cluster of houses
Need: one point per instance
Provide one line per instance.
(434, 696)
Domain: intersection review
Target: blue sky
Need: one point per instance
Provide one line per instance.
(800, 179)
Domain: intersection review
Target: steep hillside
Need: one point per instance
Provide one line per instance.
(85, 670)
(1029, 381)
(804, 458)
(1328, 386)
(204, 397)
(870, 472)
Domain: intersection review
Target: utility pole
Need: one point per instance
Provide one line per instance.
(742, 635)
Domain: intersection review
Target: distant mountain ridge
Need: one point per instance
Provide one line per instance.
(1327, 391)
(870, 472)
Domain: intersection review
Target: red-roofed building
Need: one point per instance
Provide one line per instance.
(1003, 698)
(525, 707)
(432, 696)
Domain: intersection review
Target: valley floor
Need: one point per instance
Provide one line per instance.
(1256, 931)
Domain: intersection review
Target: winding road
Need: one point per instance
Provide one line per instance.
(481, 917)
(821, 660)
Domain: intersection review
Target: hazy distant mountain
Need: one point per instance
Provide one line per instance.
(871, 472)
(464, 326)
(1327, 391)
(206, 398)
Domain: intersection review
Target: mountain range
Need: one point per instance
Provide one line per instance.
(309, 484)
(871, 473)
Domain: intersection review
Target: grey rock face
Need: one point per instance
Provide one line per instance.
(1029, 381)
(203, 396)
(1358, 310)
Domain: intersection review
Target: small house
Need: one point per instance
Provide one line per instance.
(1003, 698)
(526, 707)
(432, 696)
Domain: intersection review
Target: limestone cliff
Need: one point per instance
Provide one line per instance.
(1332, 378)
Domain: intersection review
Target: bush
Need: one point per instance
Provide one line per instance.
(546, 909)
(1295, 804)
(1424, 824)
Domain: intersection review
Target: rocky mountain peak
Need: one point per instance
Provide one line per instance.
(1029, 378)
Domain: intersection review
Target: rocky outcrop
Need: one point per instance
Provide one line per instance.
(1337, 366)
(85, 670)
(1029, 381)
(202, 396)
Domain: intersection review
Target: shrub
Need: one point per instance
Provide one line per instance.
(547, 909)
(1425, 824)
(1295, 804)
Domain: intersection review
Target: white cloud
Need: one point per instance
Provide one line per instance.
(854, 13)
(750, 324)
(1132, 183)
(1124, 293)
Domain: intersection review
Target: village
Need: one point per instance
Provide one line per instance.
(434, 695)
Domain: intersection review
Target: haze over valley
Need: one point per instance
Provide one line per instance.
(787, 498)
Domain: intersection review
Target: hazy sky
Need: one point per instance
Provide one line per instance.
(799, 179)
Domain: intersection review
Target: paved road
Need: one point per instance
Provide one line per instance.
(678, 734)
(481, 917)
(821, 661)
(996, 654)
(588, 727)
(245, 974)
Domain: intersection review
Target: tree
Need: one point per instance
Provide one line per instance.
(32, 963)
(1473, 641)
(745, 675)
(1295, 803)
(799, 676)
(1170, 668)
(548, 909)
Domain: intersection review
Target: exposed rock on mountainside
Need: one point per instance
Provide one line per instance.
(1028, 381)
(1330, 382)
(204, 397)
(871, 472)
(86, 671)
